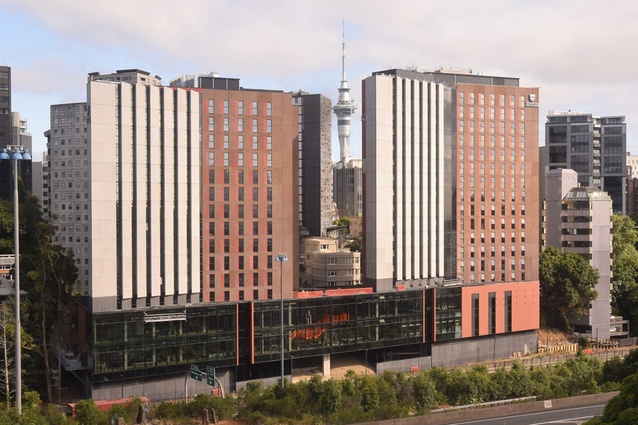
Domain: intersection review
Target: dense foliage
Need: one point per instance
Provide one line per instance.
(47, 275)
(365, 398)
(567, 284)
(396, 395)
(625, 269)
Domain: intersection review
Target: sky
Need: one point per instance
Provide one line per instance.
(577, 51)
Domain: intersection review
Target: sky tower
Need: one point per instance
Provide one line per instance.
(344, 108)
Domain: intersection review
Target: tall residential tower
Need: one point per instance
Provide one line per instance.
(450, 179)
(594, 147)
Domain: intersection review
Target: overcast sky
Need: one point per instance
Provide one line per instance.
(579, 51)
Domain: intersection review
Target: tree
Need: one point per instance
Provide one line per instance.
(622, 408)
(343, 221)
(567, 284)
(624, 268)
(7, 335)
(355, 245)
(48, 273)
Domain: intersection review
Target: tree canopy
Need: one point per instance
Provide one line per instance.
(624, 269)
(567, 284)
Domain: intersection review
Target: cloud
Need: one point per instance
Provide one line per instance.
(575, 50)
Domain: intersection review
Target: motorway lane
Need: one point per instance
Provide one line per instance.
(571, 416)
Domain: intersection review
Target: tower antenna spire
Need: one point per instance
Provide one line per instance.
(343, 51)
(344, 107)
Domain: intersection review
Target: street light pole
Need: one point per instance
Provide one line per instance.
(281, 258)
(16, 155)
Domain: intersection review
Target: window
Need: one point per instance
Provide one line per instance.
(268, 126)
(255, 228)
(225, 107)
(268, 108)
(491, 313)
(226, 123)
(255, 159)
(240, 159)
(211, 123)
(255, 112)
(475, 315)
(240, 107)
(240, 142)
(240, 124)
(255, 126)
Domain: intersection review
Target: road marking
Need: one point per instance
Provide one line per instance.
(576, 420)
(544, 412)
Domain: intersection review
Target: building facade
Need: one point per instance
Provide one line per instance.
(558, 184)
(586, 230)
(329, 265)
(144, 189)
(403, 223)
(5, 106)
(315, 162)
(595, 147)
(66, 202)
(250, 209)
(451, 178)
(348, 188)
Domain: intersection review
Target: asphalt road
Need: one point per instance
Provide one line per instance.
(573, 416)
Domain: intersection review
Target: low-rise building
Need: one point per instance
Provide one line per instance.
(328, 264)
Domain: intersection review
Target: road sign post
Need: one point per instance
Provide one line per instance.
(210, 376)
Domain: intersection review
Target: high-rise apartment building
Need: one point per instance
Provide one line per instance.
(144, 190)
(450, 181)
(594, 147)
(578, 220)
(348, 188)
(67, 196)
(315, 162)
(250, 190)
(5, 106)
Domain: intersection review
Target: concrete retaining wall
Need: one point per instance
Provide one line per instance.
(463, 352)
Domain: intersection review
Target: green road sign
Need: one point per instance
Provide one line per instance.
(210, 376)
(196, 374)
